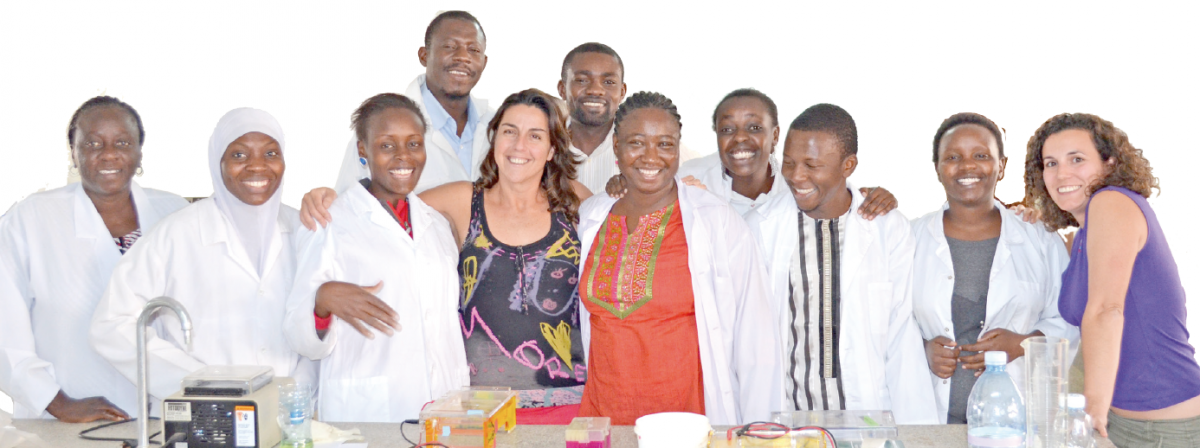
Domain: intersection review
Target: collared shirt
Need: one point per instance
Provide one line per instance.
(743, 204)
(596, 169)
(814, 380)
(448, 126)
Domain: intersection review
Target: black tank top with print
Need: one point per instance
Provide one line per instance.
(520, 311)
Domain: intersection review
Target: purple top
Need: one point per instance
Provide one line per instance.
(1158, 367)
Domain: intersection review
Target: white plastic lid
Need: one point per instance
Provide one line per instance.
(996, 358)
(1075, 401)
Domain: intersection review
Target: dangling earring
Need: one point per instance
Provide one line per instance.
(362, 161)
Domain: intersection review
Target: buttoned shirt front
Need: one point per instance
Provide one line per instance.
(448, 126)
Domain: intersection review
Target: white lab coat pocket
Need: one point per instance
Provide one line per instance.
(356, 400)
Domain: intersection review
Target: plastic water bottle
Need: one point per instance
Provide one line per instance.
(1075, 425)
(995, 410)
(295, 415)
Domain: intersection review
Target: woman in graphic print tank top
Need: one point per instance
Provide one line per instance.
(518, 305)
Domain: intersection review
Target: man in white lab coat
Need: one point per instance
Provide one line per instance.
(227, 259)
(456, 140)
(845, 311)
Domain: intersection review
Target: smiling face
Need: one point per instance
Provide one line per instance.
(816, 171)
(647, 150)
(746, 136)
(969, 164)
(106, 150)
(395, 152)
(455, 58)
(593, 87)
(252, 168)
(522, 146)
(1071, 166)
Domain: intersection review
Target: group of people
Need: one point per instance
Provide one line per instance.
(567, 250)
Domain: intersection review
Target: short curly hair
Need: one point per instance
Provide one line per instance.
(832, 119)
(1130, 170)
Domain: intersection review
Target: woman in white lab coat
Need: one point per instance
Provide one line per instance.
(228, 259)
(518, 259)
(983, 279)
(57, 250)
(386, 261)
(714, 304)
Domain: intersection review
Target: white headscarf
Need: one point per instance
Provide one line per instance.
(255, 225)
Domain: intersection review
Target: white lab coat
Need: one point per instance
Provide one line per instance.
(737, 353)
(883, 359)
(193, 257)
(442, 165)
(56, 257)
(386, 379)
(778, 205)
(1022, 288)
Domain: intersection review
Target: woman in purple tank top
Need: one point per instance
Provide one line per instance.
(1122, 286)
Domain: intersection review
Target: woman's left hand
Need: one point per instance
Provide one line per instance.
(997, 339)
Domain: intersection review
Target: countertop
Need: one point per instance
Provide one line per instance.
(382, 435)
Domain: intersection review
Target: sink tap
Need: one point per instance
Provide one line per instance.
(143, 384)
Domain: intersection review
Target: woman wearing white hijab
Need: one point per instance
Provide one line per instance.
(228, 259)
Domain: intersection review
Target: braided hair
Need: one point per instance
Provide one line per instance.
(643, 100)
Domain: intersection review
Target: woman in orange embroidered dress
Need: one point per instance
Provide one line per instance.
(645, 291)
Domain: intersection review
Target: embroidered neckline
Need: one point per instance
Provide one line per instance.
(621, 278)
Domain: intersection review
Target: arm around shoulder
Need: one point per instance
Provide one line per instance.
(453, 201)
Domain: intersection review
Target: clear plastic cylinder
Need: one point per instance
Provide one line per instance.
(1046, 366)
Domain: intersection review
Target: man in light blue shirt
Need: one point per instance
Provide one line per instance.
(456, 138)
(460, 136)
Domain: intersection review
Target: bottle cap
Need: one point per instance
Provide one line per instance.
(1075, 401)
(995, 358)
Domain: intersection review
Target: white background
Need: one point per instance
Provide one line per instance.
(898, 69)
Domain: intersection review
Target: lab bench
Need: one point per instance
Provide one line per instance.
(386, 435)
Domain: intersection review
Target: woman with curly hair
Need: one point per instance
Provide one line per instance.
(518, 261)
(1122, 285)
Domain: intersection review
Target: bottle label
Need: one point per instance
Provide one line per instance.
(995, 442)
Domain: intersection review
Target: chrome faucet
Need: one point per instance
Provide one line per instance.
(143, 385)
